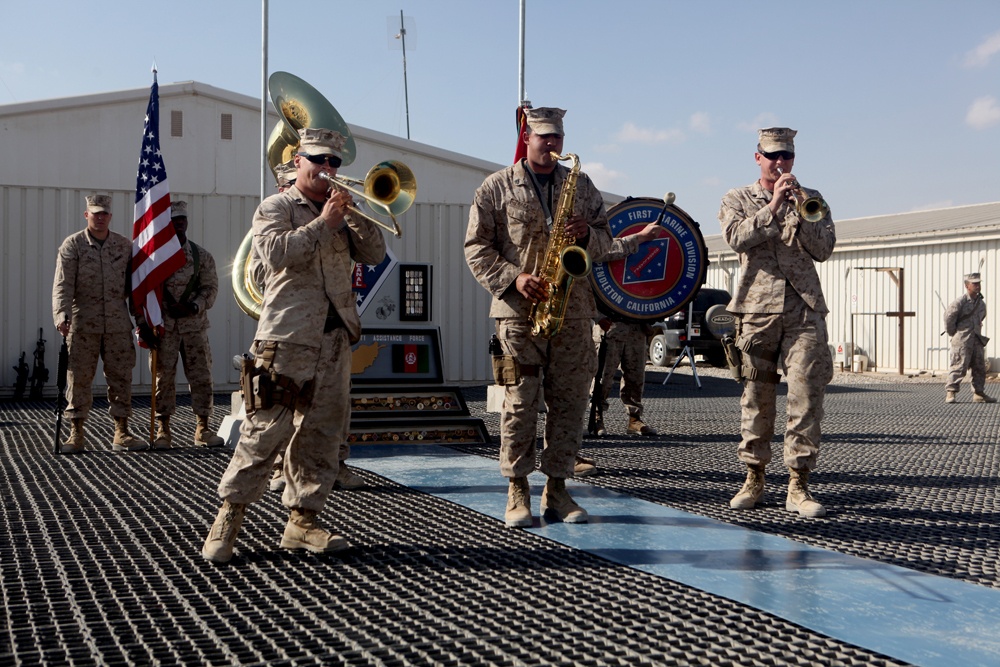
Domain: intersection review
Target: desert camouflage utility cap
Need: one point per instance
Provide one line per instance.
(319, 141)
(546, 120)
(973, 278)
(285, 173)
(99, 203)
(178, 209)
(774, 139)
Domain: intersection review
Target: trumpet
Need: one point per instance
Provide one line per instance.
(389, 189)
(810, 209)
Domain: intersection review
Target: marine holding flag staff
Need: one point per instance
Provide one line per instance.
(781, 319)
(187, 296)
(298, 387)
(89, 297)
(505, 248)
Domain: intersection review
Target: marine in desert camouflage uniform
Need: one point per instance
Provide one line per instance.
(782, 315)
(187, 296)
(89, 308)
(505, 247)
(963, 321)
(310, 243)
(625, 347)
(346, 478)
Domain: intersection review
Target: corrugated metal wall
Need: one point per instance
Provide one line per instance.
(860, 296)
(38, 219)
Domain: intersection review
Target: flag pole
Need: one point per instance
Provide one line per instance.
(520, 91)
(152, 397)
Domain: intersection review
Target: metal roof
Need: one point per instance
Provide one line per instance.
(938, 222)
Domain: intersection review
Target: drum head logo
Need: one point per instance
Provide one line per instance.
(662, 275)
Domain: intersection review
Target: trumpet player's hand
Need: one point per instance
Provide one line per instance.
(532, 288)
(335, 209)
(784, 188)
(577, 227)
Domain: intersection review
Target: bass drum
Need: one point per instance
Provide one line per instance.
(662, 276)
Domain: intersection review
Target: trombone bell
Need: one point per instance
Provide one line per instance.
(393, 185)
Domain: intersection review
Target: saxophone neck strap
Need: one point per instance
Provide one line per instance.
(540, 184)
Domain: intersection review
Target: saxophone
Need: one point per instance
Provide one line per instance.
(564, 260)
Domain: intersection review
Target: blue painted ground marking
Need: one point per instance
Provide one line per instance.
(919, 618)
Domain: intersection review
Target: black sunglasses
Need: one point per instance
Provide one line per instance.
(331, 160)
(784, 155)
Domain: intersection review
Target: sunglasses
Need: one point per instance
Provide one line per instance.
(784, 155)
(331, 160)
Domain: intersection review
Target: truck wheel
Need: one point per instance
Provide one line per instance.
(658, 354)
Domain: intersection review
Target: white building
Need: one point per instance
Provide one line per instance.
(930, 250)
(58, 151)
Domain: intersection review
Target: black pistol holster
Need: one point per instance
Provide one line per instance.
(735, 352)
(263, 388)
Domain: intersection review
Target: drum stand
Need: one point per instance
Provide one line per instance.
(688, 352)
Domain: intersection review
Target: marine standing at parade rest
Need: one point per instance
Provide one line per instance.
(625, 347)
(89, 308)
(187, 296)
(964, 323)
(299, 385)
(505, 247)
(782, 319)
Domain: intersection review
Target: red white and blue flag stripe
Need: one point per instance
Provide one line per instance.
(156, 252)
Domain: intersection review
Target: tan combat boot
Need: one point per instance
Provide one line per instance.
(124, 441)
(302, 532)
(163, 438)
(222, 536)
(347, 479)
(637, 427)
(518, 514)
(799, 499)
(983, 398)
(584, 467)
(277, 482)
(204, 437)
(74, 443)
(752, 491)
(949, 396)
(557, 501)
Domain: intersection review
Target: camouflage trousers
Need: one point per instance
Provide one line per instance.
(309, 435)
(625, 346)
(965, 358)
(799, 336)
(117, 352)
(196, 355)
(564, 367)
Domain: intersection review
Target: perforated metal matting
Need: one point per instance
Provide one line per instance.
(906, 479)
(100, 563)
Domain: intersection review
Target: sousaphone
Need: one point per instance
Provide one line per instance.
(389, 187)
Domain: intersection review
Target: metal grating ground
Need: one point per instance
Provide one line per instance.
(906, 479)
(100, 564)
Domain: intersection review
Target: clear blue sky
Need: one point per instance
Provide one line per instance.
(897, 102)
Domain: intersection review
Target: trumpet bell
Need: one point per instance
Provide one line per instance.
(300, 105)
(393, 185)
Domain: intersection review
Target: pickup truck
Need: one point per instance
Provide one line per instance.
(674, 333)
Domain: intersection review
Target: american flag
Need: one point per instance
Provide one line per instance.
(156, 252)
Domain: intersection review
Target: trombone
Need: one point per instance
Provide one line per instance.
(389, 189)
